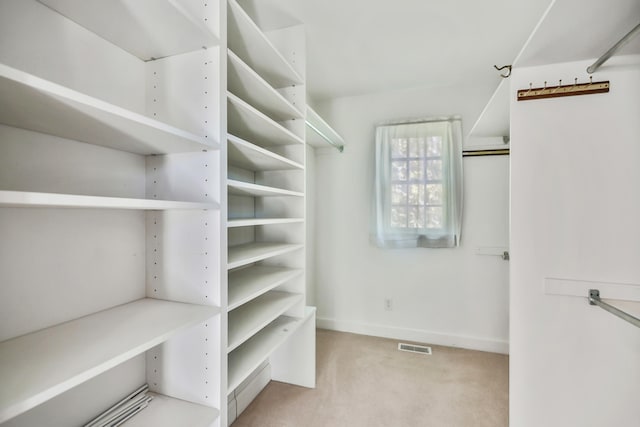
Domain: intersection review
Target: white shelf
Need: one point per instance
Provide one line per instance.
(165, 411)
(255, 49)
(245, 83)
(249, 283)
(248, 319)
(253, 252)
(35, 104)
(53, 200)
(249, 156)
(494, 119)
(147, 29)
(249, 222)
(41, 365)
(250, 124)
(549, 43)
(246, 358)
(240, 188)
(320, 133)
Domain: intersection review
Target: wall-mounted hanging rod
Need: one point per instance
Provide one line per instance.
(481, 153)
(594, 299)
(336, 145)
(322, 131)
(608, 54)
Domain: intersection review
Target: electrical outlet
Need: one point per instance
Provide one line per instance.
(388, 304)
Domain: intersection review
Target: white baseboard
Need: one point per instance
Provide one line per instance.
(416, 335)
(240, 398)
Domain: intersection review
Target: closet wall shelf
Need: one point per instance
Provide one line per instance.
(246, 84)
(257, 51)
(148, 29)
(248, 156)
(165, 411)
(249, 222)
(240, 188)
(55, 200)
(251, 282)
(248, 123)
(248, 319)
(253, 252)
(246, 358)
(320, 133)
(494, 119)
(35, 104)
(41, 365)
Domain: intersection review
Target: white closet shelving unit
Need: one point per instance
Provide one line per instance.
(113, 255)
(269, 324)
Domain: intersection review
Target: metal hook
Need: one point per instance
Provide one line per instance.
(559, 88)
(508, 67)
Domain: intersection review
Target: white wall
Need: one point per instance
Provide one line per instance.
(575, 195)
(439, 296)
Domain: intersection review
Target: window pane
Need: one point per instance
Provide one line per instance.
(399, 170)
(434, 217)
(416, 147)
(399, 147)
(399, 194)
(416, 194)
(434, 146)
(422, 212)
(434, 170)
(434, 194)
(399, 217)
(416, 168)
(414, 217)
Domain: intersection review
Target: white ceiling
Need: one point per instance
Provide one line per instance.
(364, 46)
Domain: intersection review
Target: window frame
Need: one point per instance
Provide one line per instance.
(404, 197)
(425, 182)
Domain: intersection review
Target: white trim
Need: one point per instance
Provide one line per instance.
(416, 335)
(580, 288)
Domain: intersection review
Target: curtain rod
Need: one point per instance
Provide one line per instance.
(421, 120)
(608, 54)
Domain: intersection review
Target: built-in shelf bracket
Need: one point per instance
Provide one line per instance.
(594, 299)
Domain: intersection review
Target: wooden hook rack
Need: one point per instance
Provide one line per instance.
(563, 90)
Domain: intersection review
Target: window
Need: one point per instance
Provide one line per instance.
(418, 188)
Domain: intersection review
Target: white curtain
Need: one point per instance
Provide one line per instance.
(418, 184)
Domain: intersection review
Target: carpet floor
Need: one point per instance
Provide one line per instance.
(365, 381)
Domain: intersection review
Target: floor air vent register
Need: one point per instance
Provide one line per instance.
(412, 348)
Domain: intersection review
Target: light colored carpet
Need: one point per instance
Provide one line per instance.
(365, 381)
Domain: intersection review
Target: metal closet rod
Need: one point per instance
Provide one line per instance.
(608, 54)
(594, 299)
(337, 146)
